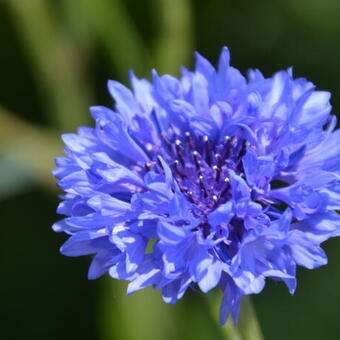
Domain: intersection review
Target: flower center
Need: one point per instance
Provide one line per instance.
(202, 168)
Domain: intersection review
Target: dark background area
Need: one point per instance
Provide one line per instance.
(49, 75)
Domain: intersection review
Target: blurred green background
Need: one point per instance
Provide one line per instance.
(55, 59)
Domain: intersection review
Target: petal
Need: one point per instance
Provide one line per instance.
(148, 274)
(86, 242)
(230, 304)
(222, 215)
(108, 205)
(305, 252)
(171, 234)
(212, 277)
(125, 101)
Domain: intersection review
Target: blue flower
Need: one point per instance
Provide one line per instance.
(211, 179)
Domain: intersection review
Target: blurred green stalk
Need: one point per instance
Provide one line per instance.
(142, 316)
(247, 327)
(30, 148)
(57, 64)
(248, 323)
(115, 30)
(175, 40)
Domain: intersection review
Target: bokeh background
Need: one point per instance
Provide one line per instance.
(56, 56)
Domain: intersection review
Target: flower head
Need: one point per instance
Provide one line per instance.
(212, 179)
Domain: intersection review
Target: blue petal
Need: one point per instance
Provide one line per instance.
(108, 205)
(148, 275)
(171, 234)
(143, 92)
(305, 252)
(222, 215)
(211, 276)
(230, 304)
(204, 67)
(125, 101)
(113, 133)
(320, 227)
(86, 242)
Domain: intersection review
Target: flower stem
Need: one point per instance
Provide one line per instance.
(175, 35)
(248, 324)
(58, 64)
(247, 327)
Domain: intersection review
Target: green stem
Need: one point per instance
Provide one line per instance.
(248, 324)
(30, 148)
(174, 43)
(142, 316)
(57, 63)
(110, 22)
(247, 327)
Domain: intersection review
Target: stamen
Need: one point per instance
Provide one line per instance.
(189, 140)
(227, 187)
(227, 147)
(201, 168)
(207, 149)
(178, 170)
(218, 159)
(179, 151)
(189, 195)
(148, 165)
(196, 160)
(243, 150)
(217, 173)
(201, 183)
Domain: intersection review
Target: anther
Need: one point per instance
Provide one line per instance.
(227, 147)
(201, 183)
(149, 165)
(218, 158)
(196, 160)
(179, 151)
(207, 149)
(148, 146)
(226, 189)
(217, 172)
(189, 140)
(242, 151)
(178, 170)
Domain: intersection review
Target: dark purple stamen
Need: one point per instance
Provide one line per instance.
(201, 168)
(189, 140)
(179, 151)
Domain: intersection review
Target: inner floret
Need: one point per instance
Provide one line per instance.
(202, 167)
